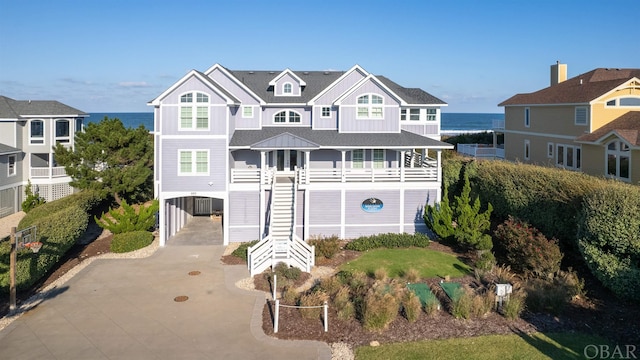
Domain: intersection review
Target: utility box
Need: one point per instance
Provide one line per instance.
(503, 290)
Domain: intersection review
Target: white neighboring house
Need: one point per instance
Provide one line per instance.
(29, 129)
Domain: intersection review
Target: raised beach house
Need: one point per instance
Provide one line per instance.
(28, 131)
(287, 155)
(588, 123)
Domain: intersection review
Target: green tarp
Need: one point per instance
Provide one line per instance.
(451, 289)
(423, 292)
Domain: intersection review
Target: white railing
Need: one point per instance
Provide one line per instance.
(301, 254)
(45, 172)
(369, 175)
(480, 150)
(264, 177)
(498, 124)
(260, 256)
(415, 158)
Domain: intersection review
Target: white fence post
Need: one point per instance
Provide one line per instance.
(326, 317)
(275, 286)
(275, 322)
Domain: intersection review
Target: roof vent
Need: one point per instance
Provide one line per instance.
(326, 73)
(580, 81)
(272, 72)
(251, 72)
(306, 73)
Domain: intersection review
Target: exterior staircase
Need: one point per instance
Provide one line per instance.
(281, 244)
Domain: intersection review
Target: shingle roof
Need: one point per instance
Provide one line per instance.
(317, 81)
(6, 149)
(334, 139)
(626, 127)
(580, 89)
(16, 109)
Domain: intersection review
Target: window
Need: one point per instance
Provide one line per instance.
(193, 162)
(550, 150)
(79, 125)
(62, 131)
(403, 114)
(568, 157)
(370, 106)
(37, 132)
(527, 148)
(287, 88)
(581, 115)
(286, 116)
(378, 158)
(431, 114)
(194, 116)
(629, 101)
(618, 160)
(247, 111)
(414, 114)
(357, 159)
(527, 119)
(12, 165)
(326, 112)
(611, 102)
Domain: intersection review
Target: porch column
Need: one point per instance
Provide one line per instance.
(262, 211)
(162, 221)
(401, 164)
(342, 166)
(263, 162)
(307, 165)
(439, 173)
(225, 219)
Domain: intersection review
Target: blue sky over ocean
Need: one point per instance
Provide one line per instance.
(115, 56)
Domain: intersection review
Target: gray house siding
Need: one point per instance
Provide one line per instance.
(8, 132)
(171, 118)
(339, 88)
(243, 216)
(325, 123)
(190, 85)
(324, 207)
(245, 159)
(232, 87)
(431, 128)
(415, 201)
(217, 173)
(325, 159)
(287, 78)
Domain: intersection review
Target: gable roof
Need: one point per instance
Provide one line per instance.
(626, 127)
(245, 139)
(287, 71)
(580, 89)
(230, 99)
(411, 95)
(6, 149)
(285, 141)
(19, 109)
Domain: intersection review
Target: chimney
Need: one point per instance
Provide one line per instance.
(558, 73)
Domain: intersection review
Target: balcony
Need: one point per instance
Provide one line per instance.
(337, 175)
(498, 124)
(47, 172)
(482, 151)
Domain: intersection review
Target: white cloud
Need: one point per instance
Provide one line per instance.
(134, 84)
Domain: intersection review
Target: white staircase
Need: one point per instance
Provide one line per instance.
(281, 244)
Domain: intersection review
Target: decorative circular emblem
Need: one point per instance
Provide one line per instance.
(372, 205)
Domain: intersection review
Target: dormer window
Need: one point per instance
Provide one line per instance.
(194, 115)
(370, 107)
(287, 89)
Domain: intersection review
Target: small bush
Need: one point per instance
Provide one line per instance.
(130, 241)
(486, 260)
(326, 247)
(482, 304)
(412, 275)
(287, 272)
(330, 285)
(411, 306)
(380, 309)
(381, 274)
(389, 240)
(462, 304)
(289, 296)
(241, 250)
(513, 307)
(344, 305)
(315, 299)
(129, 218)
(552, 295)
(432, 306)
(527, 250)
(31, 200)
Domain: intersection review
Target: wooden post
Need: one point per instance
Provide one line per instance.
(12, 269)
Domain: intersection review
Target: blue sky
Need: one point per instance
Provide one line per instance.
(115, 56)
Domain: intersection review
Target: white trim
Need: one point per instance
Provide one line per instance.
(233, 79)
(550, 150)
(356, 67)
(15, 165)
(361, 83)
(283, 73)
(527, 117)
(190, 137)
(44, 131)
(208, 82)
(618, 154)
(322, 108)
(384, 158)
(519, 132)
(288, 117)
(243, 107)
(352, 157)
(586, 116)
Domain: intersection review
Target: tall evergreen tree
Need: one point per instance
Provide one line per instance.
(112, 159)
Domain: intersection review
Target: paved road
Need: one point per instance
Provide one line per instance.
(126, 309)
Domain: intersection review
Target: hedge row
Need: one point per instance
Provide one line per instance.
(389, 240)
(59, 224)
(131, 241)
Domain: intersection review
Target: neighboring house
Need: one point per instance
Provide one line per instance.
(288, 155)
(28, 131)
(587, 123)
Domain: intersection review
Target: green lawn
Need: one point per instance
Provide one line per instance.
(428, 262)
(516, 346)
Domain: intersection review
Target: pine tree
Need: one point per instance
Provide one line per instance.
(439, 217)
(471, 224)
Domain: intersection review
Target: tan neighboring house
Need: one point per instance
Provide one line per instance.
(588, 123)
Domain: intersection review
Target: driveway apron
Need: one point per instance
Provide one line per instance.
(179, 303)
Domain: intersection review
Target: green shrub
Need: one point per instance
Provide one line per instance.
(389, 240)
(553, 294)
(526, 249)
(609, 238)
(411, 306)
(344, 306)
(482, 303)
(130, 241)
(289, 295)
(326, 247)
(381, 274)
(241, 250)
(330, 285)
(513, 307)
(432, 306)
(461, 304)
(31, 200)
(57, 237)
(486, 260)
(127, 218)
(285, 271)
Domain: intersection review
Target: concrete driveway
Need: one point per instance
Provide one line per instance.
(128, 309)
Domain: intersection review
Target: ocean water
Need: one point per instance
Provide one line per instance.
(451, 122)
